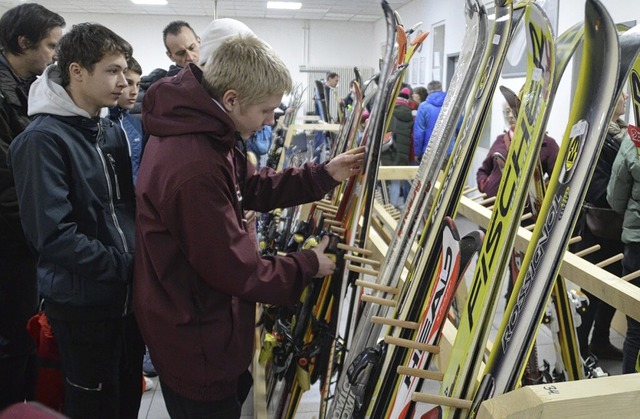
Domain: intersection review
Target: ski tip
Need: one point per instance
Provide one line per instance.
(435, 413)
(449, 224)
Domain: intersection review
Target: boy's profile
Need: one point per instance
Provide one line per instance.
(121, 114)
(198, 274)
(75, 191)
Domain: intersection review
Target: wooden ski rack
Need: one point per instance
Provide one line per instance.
(585, 398)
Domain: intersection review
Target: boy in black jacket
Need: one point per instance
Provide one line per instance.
(75, 190)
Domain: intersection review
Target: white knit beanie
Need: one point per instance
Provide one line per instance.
(218, 31)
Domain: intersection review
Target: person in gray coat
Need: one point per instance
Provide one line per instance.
(623, 194)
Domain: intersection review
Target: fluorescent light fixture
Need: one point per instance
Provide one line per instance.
(150, 2)
(288, 5)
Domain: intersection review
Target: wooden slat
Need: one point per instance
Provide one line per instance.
(395, 322)
(411, 344)
(361, 260)
(441, 400)
(359, 269)
(415, 372)
(378, 300)
(377, 287)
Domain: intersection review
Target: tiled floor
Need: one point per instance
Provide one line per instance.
(153, 406)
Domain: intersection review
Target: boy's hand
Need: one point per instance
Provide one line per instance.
(326, 265)
(345, 165)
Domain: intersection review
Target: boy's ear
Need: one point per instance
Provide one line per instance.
(230, 100)
(75, 72)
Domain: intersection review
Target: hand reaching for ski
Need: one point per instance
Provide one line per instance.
(347, 164)
(326, 265)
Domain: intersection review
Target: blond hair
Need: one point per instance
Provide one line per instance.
(248, 66)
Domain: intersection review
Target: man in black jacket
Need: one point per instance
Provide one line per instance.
(183, 47)
(29, 34)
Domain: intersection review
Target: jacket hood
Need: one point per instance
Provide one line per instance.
(402, 111)
(436, 98)
(48, 96)
(116, 112)
(180, 106)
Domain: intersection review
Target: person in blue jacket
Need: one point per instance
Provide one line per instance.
(426, 118)
(130, 124)
(259, 145)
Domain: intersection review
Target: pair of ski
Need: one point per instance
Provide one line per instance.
(566, 191)
(524, 156)
(495, 254)
(606, 62)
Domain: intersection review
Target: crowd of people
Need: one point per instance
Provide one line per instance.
(85, 194)
(124, 203)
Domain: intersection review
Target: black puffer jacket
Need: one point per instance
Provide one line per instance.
(402, 127)
(75, 190)
(147, 81)
(13, 120)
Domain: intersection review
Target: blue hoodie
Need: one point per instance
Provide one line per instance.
(426, 118)
(132, 127)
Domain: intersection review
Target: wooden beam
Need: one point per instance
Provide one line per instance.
(606, 397)
(397, 172)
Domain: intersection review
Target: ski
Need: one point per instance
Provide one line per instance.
(569, 363)
(604, 66)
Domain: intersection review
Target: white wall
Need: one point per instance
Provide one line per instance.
(331, 43)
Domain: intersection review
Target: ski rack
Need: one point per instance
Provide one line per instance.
(305, 123)
(545, 398)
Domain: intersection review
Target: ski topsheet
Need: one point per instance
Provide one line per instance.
(366, 333)
(603, 71)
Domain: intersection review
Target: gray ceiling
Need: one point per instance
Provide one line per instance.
(346, 10)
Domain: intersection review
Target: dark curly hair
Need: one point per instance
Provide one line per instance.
(86, 44)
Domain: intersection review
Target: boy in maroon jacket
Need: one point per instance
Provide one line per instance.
(198, 275)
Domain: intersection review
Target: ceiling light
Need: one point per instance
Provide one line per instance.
(150, 2)
(289, 5)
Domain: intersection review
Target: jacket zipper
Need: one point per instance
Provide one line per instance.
(111, 205)
(121, 120)
(112, 161)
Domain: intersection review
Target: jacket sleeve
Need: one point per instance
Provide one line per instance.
(419, 127)
(48, 216)
(269, 189)
(621, 181)
(221, 251)
(548, 154)
(488, 175)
